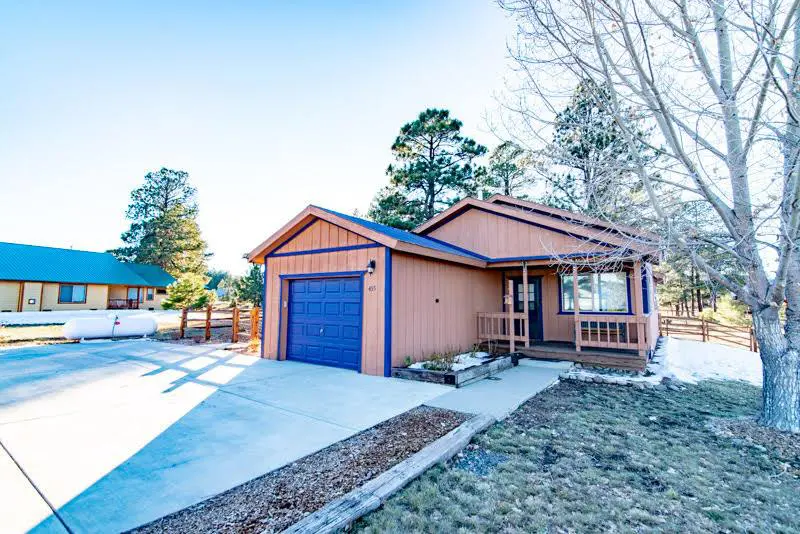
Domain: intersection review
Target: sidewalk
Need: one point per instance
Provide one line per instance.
(501, 394)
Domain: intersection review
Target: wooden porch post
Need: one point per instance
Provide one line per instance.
(576, 308)
(510, 300)
(636, 308)
(526, 328)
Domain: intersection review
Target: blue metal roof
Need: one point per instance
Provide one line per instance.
(408, 237)
(46, 264)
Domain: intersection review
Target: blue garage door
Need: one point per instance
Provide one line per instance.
(325, 321)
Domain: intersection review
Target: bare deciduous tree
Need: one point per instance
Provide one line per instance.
(720, 80)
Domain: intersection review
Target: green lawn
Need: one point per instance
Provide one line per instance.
(595, 458)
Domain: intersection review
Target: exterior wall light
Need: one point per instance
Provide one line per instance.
(371, 266)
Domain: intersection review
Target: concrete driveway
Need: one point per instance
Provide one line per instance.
(112, 435)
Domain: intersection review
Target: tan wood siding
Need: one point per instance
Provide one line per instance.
(9, 296)
(422, 326)
(372, 348)
(96, 298)
(496, 236)
(322, 234)
(32, 292)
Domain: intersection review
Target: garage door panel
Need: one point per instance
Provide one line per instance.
(351, 332)
(351, 309)
(325, 321)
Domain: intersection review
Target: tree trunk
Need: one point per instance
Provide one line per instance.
(781, 360)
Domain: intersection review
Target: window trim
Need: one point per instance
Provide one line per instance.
(85, 293)
(150, 294)
(562, 311)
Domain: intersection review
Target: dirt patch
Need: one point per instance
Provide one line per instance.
(278, 499)
(19, 336)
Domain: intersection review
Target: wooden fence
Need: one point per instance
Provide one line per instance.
(702, 330)
(234, 320)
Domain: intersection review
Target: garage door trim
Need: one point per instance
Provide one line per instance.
(297, 276)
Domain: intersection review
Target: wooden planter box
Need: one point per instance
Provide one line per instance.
(456, 378)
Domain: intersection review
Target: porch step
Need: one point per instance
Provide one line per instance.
(630, 362)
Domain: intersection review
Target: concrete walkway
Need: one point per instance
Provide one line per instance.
(116, 434)
(501, 394)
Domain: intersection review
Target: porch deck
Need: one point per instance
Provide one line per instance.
(552, 350)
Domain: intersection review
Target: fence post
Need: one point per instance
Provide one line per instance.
(235, 325)
(753, 341)
(208, 322)
(184, 319)
(255, 316)
(703, 331)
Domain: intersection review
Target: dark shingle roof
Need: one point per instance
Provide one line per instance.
(47, 264)
(408, 237)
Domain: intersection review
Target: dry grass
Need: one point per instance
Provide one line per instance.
(593, 458)
(19, 334)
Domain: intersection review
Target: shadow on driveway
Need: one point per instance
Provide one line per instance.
(116, 434)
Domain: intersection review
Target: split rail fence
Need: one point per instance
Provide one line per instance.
(235, 321)
(702, 330)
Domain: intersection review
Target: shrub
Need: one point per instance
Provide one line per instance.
(441, 361)
(188, 291)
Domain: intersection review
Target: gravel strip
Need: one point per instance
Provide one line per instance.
(280, 498)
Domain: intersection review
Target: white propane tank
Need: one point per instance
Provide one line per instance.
(109, 327)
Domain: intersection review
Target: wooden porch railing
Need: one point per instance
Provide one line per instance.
(625, 332)
(123, 304)
(502, 326)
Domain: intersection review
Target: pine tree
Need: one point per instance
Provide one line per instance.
(433, 169)
(590, 147)
(250, 287)
(508, 172)
(188, 291)
(164, 230)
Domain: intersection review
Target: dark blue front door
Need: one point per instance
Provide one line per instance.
(325, 321)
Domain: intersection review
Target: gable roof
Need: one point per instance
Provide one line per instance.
(387, 236)
(408, 237)
(48, 264)
(579, 227)
(567, 215)
(575, 225)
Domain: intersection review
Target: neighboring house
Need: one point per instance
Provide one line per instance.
(46, 279)
(352, 293)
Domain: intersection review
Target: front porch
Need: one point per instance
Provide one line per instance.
(592, 315)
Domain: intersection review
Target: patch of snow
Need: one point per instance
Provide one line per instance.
(692, 361)
(461, 362)
(61, 317)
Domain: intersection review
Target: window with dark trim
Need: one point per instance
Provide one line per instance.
(646, 290)
(161, 291)
(71, 294)
(597, 292)
(150, 293)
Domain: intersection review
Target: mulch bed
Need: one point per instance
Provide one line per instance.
(275, 501)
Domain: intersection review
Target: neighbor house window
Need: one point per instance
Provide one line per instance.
(150, 293)
(597, 292)
(161, 291)
(71, 294)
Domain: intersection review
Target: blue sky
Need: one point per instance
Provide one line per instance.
(269, 106)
